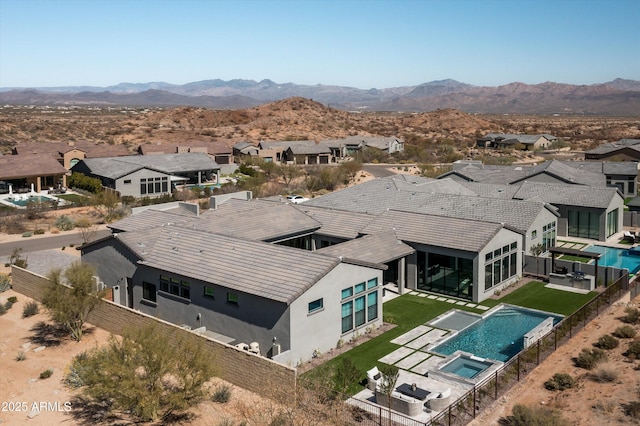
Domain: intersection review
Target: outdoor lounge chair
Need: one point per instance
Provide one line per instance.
(629, 236)
(373, 378)
(440, 401)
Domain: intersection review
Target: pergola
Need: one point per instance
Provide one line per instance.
(573, 252)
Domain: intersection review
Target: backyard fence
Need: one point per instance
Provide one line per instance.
(468, 406)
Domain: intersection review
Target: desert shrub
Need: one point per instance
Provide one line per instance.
(624, 332)
(588, 359)
(46, 373)
(560, 382)
(632, 315)
(30, 309)
(632, 409)
(345, 373)
(17, 259)
(634, 350)
(38, 232)
(8, 305)
(64, 223)
(607, 342)
(26, 234)
(521, 415)
(21, 356)
(3, 310)
(12, 299)
(222, 394)
(74, 378)
(605, 406)
(605, 372)
(5, 284)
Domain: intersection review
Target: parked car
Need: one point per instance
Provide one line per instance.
(296, 199)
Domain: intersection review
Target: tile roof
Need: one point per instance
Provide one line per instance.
(267, 270)
(336, 223)
(439, 231)
(381, 248)
(606, 167)
(25, 166)
(116, 167)
(566, 194)
(309, 149)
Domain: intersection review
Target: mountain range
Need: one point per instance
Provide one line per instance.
(619, 97)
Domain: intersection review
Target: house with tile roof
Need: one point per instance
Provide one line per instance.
(286, 302)
(509, 140)
(218, 151)
(149, 175)
(622, 150)
(40, 170)
(70, 153)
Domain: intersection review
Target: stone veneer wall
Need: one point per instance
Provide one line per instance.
(241, 368)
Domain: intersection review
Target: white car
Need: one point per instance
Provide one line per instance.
(296, 199)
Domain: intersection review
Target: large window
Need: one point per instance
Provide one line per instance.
(549, 236)
(500, 265)
(444, 274)
(584, 224)
(154, 185)
(612, 222)
(359, 304)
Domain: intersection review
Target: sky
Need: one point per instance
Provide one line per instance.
(357, 43)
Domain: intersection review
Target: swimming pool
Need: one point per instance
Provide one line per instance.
(23, 201)
(499, 335)
(616, 258)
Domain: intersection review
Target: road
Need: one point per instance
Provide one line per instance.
(37, 243)
(381, 170)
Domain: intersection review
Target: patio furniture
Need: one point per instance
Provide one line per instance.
(373, 378)
(440, 401)
(629, 236)
(401, 403)
(416, 392)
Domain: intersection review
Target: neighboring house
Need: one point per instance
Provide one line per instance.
(276, 151)
(43, 171)
(291, 302)
(69, 154)
(149, 175)
(308, 154)
(622, 175)
(553, 171)
(218, 151)
(341, 148)
(386, 145)
(244, 150)
(622, 150)
(508, 140)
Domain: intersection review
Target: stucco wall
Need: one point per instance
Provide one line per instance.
(248, 371)
(323, 328)
(133, 188)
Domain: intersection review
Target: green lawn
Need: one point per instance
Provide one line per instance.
(409, 311)
(571, 258)
(535, 295)
(73, 198)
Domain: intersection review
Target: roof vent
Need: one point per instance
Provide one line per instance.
(174, 248)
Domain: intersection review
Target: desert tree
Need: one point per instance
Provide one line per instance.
(148, 373)
(351, 168)
(70, 304)
(105, 203)
(87, 229)
(390, 374)
(289, 172)
(16, 258)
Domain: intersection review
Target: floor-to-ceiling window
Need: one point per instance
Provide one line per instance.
(612, 222)
(584, 224)
(500, 265)
(444, 274)
(549, 235)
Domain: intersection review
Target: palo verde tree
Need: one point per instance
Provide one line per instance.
(71, 304)
(147, 373)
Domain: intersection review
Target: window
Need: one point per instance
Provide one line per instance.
(175, 286)
(127, 181)
(534, 234)
(499, 268)
(549, 235)
(208, 291)
(154, 185)
(361, 309)
(149, 291)
(347, 316)
(583, 224)
(316, 305)
(612, 222)
(232, 298)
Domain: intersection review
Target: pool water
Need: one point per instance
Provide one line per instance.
(31, 199)
(466, 367)
(498, 336)
(616, 258)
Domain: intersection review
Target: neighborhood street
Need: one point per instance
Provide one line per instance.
(8, 243)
